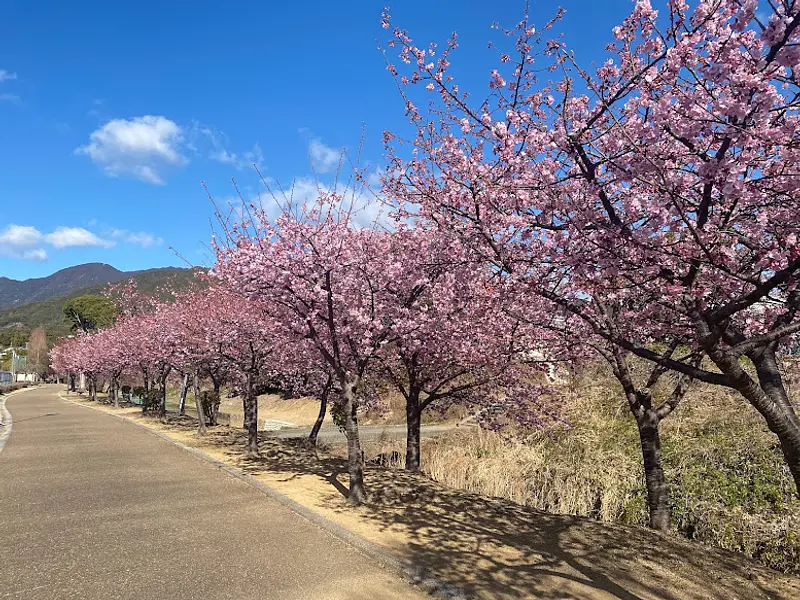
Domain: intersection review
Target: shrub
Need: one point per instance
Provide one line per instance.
(209, 401)
(153, 399)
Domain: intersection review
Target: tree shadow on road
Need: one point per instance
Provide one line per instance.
(493, 548)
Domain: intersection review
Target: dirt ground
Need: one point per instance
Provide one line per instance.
(488, 547)
(302, 412)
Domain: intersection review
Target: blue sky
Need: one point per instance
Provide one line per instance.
(112, 114)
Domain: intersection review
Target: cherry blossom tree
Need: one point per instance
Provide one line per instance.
(63, 359)
(112, 357)
(456, 339)
(245, 334)
(79, 355)
(197, 349)
(324, 275)
(654, 198)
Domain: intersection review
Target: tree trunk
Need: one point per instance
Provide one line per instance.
(768, 397)
(323, 409)
(146, 398)
(251, 418)
(71, 382)
(162, 409)
(657, 495)
(112, 391)
(355, 458)
(783, 421)
(216, 381)
(184, 391)
(201, 417)
(413, 425)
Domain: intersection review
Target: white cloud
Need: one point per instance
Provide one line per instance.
(38, 254)
(203, 135)
(10, 98)
(324, 158)
(240, 161)
(6, 76)
(137, 238)
(18, 241)
(68, 237)
(365, 207)
(305, 191)
(20, 236)
(24, 241)
(142, 147)
(373, 179)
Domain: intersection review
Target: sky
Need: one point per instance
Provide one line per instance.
(112, 114)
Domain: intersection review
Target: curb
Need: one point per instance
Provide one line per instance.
(410, 572)
(6, 422)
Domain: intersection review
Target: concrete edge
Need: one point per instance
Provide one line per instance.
(6, 420)
(412, 573)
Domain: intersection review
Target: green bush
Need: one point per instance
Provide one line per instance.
(209, 402)
(154, 399)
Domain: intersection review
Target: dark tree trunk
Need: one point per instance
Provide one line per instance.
(657, 494)
(413, 426)
(648, 419)
(162, 409)
(201, 417)
(146, 398)
(112, 391)
(216, 381)
(323, 409)
(787, 426)
(251, 417)
(355, 460)
(184, 391)
(768, 397)
(71, 382)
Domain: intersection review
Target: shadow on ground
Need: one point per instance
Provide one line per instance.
(492, 548)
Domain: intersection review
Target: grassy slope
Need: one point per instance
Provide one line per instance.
(729, 485)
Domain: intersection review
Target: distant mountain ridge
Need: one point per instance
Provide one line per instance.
(14, 293)
(16, 321)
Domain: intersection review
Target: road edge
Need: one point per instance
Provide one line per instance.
(6, 420)
(412, 573)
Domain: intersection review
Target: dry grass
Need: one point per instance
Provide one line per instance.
(729, 485)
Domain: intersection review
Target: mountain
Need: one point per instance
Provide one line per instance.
(15, 293)
(17, 321)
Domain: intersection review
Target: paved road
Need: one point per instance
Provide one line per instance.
(94, 507)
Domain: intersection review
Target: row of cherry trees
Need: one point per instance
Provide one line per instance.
(648, 208)
(655, 198)
(313, 304)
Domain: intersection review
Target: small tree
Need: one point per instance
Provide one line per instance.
(38, 357)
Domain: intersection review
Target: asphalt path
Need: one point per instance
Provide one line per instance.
(94, 507)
